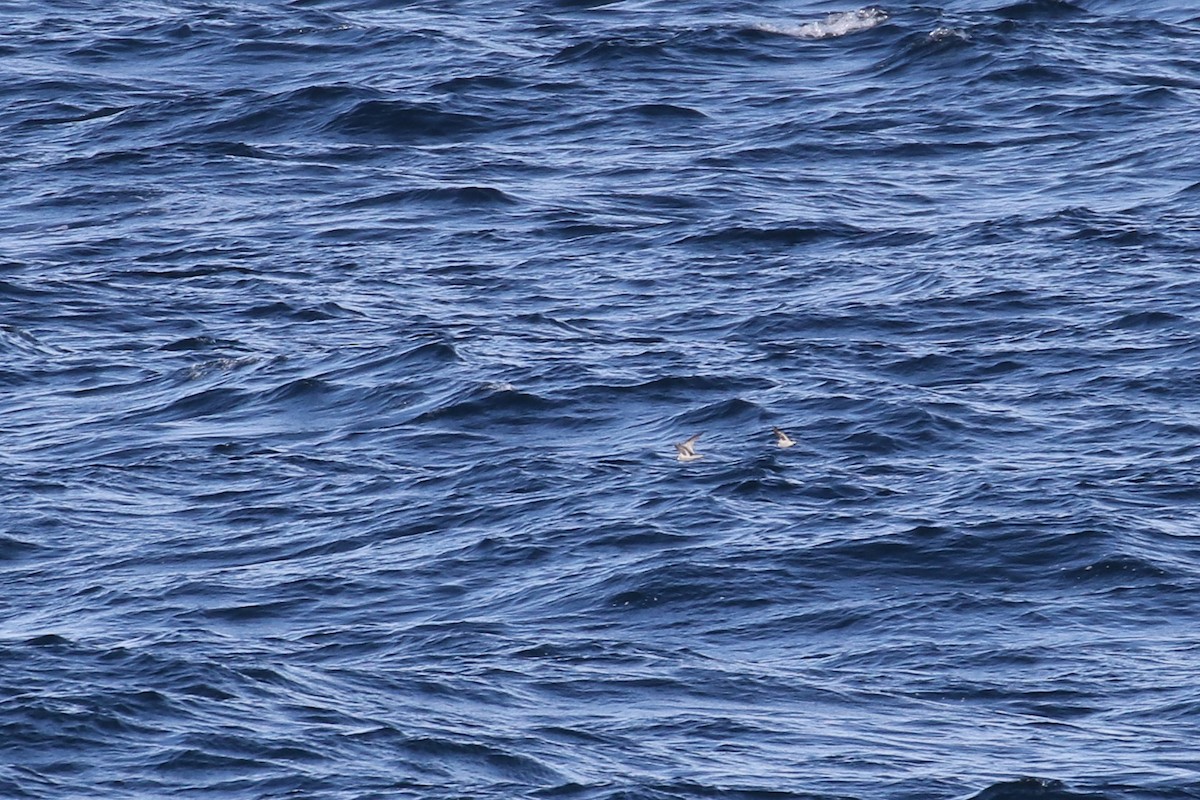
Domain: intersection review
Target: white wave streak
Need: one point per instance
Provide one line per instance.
(839, 23)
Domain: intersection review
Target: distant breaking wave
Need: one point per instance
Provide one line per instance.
(839, 23)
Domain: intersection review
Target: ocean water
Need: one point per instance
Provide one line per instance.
(343, 346)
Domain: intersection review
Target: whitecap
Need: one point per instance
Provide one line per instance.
(839, 23)
(941, 34)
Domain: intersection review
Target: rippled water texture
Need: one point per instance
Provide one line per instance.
(343, 346)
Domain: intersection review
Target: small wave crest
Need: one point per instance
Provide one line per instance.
(401, 121)
(1033, 789)
(838, 23)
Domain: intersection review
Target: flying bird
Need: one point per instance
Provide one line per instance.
(782, 439)
(687, 449)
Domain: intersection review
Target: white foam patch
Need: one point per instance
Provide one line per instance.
(942, 34)
(839, 23)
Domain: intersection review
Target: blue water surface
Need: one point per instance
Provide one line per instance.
(343, 346)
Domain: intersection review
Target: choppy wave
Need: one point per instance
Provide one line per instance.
(837, 23)
(344, 345)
